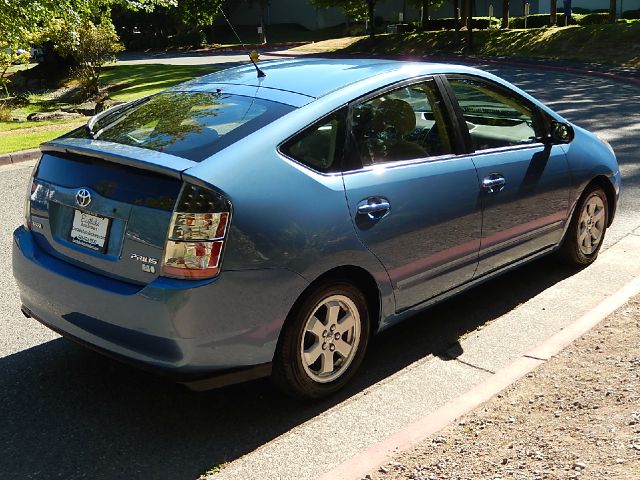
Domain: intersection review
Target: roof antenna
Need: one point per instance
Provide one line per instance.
(261, 74)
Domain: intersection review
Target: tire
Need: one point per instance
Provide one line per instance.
(587, 229)
(330, 324)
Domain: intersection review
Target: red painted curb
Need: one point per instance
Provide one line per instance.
(371, 458)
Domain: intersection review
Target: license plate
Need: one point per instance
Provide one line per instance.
(90, 230)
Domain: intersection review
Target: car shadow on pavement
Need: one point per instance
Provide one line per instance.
(71, 413)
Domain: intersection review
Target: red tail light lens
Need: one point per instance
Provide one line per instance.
(196, 234)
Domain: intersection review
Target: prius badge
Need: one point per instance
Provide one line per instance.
(148, 263)
(83, 198)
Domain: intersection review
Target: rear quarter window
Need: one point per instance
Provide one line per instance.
(191, 125)
(320, 146)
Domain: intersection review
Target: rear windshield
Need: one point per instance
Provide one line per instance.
(191, 125)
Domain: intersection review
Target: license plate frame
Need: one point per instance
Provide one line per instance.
(90, 230)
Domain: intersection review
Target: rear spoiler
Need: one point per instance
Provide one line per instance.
(123, 154)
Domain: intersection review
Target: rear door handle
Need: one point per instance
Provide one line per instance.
(374, 207)
(494, 183)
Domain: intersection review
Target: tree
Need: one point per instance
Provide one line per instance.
(353, 8)
(198, 13)
(90, 45)
(553, 13)
(21, 18)
(505, 14)
(612, 11)
(469, 46)
(425, 6)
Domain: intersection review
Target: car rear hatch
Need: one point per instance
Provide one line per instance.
(105, 207)
(105, 196)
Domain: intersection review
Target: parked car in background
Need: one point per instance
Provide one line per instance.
(239, 226)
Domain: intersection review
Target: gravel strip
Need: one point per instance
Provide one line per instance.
(576, 417)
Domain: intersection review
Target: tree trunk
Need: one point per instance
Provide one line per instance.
(463, 13)
(505, 14)
(372, 18)
(424, 15)
(553, 13)
(456, 21)
(612, 11)
(469, 46)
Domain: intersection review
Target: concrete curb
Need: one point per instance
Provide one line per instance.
(415, 433)
(477, 60)
(18, 157)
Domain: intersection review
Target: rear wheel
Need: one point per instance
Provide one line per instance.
(323, 341)
(585, 235)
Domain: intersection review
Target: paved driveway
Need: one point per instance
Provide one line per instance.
(69, 413)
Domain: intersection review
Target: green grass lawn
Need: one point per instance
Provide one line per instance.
(149, 78)
(22, 141)
(142, 79)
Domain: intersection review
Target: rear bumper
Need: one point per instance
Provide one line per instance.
(187, 330)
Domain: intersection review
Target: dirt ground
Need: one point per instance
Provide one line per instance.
(575, 417)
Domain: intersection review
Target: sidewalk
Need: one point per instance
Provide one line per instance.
(577, 416)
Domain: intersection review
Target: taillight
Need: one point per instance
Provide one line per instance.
(196, 234)
(27, 203)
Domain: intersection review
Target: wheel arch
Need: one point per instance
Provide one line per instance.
(603, 182)
(361, 278)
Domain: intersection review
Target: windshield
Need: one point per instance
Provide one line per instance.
(192, 125)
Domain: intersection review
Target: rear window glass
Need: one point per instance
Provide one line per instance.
(191, 125)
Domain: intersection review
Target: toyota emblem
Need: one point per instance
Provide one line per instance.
(83, 198)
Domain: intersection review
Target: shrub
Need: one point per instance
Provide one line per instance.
(90, 45)
(96, 45)
(479, 23)
(5, 113)
(631, 14)
(9, 55)
(594, 19)
(542, 20)
(145, 41)
(189, 38)
(580, 10)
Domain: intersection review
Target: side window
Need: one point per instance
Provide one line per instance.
(495, 118)
(320, 146)
(405, 124)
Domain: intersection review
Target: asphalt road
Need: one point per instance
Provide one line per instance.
(69, 413)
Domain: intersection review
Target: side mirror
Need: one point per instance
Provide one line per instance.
(561, 132)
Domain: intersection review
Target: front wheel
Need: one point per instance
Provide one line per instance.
(323, 341)
(585, 234)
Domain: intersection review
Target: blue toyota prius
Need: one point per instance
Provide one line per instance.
(240, 225)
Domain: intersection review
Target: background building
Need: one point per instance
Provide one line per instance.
(301, 12)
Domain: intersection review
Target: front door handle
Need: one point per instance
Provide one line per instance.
(494, 183)
(374, 208)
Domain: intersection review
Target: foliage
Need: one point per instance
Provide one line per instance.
(198, 13)
(594, 19)
(631, 14)
(425, 7)
(91, 46)
(542, 20)
(479, 23)
(356, 9)
(20, 18)
(10, 54)
(189, 38)
(5, 112)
